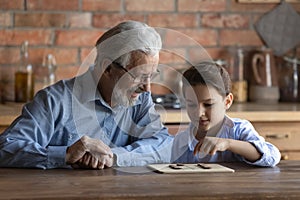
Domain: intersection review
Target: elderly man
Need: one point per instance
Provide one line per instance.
(102, 118)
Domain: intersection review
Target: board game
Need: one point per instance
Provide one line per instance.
(189, 168)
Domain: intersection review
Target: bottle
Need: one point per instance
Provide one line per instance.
(49, 63)
(236, 66)
(24, 80)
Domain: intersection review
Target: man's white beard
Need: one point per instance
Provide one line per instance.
(120, 97)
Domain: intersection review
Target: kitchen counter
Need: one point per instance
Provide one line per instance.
(254, 112)
(280, 112)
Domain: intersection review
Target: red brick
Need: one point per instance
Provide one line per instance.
(250, 7)
(40, 20)
(63, 56)
(101, 5)
(191, 37)
(149, 5)
(201, 5)
(110, 20)
(52, 5)
(12, 4)
(213, 53)
(241, 37)
(227, 20)
(87, 55)
(172, 56)
(77, 37)
(199, 54)
(214, 20)
(80, 20)
(5, 19)
(17, 37)
(9, 55)
(173, 20)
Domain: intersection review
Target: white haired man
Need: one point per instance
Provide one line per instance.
(102, 118)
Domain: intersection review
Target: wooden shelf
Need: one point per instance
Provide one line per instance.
(267, 1)
(254, 112)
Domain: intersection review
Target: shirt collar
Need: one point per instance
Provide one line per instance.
(85, 87)
(228, 122)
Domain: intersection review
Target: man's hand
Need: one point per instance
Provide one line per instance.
(89, 153)
(93, 162)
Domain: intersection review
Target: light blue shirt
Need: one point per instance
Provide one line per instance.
(62, 113)
(233, 128)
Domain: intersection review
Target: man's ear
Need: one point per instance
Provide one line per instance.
(106, 65)
(228, 101)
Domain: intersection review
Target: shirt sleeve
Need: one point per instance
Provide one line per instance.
(26, 142)
(270, 155)
(153, 143)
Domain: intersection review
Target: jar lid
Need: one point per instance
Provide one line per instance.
(292, 60)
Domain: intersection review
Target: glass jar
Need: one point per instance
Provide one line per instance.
(289, 84)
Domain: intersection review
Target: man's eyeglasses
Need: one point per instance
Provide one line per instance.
(138, 79)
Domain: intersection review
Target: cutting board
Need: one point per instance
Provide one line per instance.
(280, 28)
(189, 168)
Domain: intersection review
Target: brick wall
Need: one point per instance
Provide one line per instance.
(68, 29)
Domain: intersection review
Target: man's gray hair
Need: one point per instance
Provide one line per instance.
(119, 42)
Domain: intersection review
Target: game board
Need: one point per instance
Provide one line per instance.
(190, 168)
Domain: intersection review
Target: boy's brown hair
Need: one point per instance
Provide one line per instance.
(210, 74)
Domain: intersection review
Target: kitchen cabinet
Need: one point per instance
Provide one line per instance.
(278, 123)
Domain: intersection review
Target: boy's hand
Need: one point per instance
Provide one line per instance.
(210, 145)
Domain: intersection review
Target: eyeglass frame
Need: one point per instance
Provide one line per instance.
(142, 79)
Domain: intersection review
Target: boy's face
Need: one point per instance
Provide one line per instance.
(206, 107)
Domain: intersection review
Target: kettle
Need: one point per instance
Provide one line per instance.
(264, 73)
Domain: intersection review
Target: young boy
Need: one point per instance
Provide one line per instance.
(212, 136)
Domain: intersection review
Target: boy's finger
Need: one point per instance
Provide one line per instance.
(198, 146)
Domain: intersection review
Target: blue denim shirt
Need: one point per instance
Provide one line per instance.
(233, 128)
(62, 113)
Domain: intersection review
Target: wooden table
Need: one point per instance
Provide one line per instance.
(247, 182)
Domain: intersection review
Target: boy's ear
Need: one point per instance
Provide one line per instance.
(228, 101)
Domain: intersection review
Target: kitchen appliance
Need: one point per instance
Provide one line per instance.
(168, 101)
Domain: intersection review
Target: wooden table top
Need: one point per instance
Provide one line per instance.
(247, 182)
